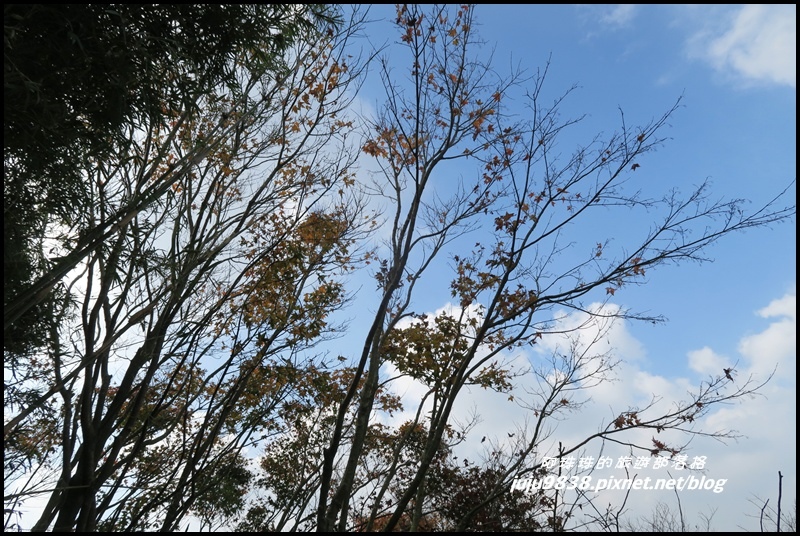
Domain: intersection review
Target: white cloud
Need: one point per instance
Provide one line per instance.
(706, 361)
(766, 423)
(588, 331)
(619, 16)
(602, 18)
(759, 45)
(749, 465)
(786, 306)
(775, 346)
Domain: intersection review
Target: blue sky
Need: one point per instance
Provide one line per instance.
(734, 67)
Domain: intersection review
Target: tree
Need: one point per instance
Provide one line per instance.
(77, 78)
(204, 263)
(192, 382)
(516, 208)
